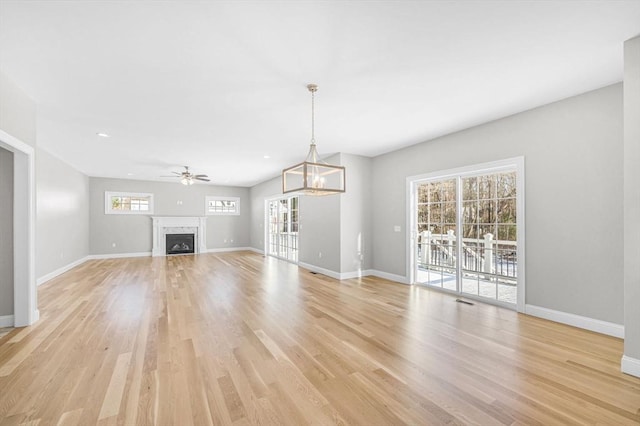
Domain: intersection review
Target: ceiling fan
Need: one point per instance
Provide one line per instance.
(188, 178)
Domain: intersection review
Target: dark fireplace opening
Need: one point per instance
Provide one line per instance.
(179, 243)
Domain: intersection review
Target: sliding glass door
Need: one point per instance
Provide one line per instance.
(282, 228)
(464, 235)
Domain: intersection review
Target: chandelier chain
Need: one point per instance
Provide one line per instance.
(313, 133)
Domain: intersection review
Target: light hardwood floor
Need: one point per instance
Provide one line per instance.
(236, 338)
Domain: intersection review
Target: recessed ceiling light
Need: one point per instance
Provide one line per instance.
(129, 174)
(266, 156)
(103, 135)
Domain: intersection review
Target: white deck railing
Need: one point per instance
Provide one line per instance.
(489, 256)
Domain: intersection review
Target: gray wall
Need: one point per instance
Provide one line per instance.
(258, 194)
(632, 198)
(17, 112)
(6, 232)
(133, 233)
(320, 231)
(62, 215)
(573, 161)
(355, 215)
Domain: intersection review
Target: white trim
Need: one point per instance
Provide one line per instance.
(51, 275)
(599, 326)
(117, 255)
(109, 210)
(229, 249)
(387, 276)
(354, 274)
(320, 270)
(255, 250)
(6, 321)
(25, 296)
(470, 170)
(218, 198)
(520, 232)
(16, 143)
(630, 366)
(265, 227)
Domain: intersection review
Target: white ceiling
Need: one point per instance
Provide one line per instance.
(219, 85)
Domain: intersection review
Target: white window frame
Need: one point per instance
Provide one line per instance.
(109, 210)
(209, 198)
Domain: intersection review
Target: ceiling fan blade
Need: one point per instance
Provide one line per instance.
(200, 176)
(202, 179)
(177, 173)
(171, 176)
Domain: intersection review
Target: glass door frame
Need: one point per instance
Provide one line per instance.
(267, 251)
(510, 164)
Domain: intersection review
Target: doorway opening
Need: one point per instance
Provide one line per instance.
(25, 306)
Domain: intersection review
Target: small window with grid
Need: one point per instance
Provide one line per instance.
(222, 206)
(128, 203)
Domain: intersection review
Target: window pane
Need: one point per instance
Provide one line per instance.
(487, 211)
(506, 210)
(449, 213)
(470, 188)
(486, 187)
(506, 185)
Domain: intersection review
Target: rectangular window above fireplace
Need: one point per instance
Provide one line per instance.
(128, 203)
(222, 206)
(180, 243)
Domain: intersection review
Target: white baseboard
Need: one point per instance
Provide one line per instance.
(320, 270)
(599, 326)
(6, 321)
(354, 274)
(118, 255)
(51, 275)
(229, 249)
(255, 250)
(387, 276)
(630, 366)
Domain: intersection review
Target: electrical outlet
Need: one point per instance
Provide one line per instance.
(320, 254)
(231, 240)
(396, 228)
(113, 244)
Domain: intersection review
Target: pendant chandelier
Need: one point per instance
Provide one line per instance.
(313, 176)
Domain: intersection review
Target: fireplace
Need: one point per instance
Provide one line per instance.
(180, 243)
(175, 225)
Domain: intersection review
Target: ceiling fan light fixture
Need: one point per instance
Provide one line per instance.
(313, 176)
(188, 178)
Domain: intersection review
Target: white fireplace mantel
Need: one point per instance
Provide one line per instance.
(163, 225)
